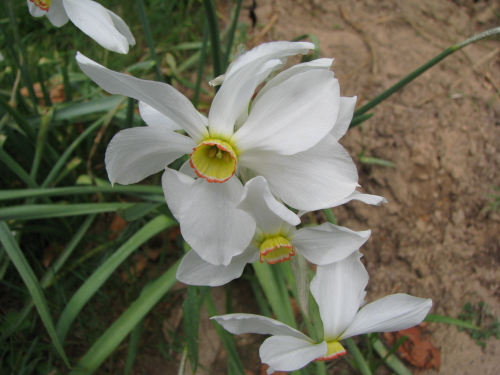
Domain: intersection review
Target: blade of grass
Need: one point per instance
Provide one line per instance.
(360, 119)
(95, 281)
(45, 122)
(18, 259)
(23, 124)
(213, 25)
(410, 77)
(435, 318)
(46, 280)
(17, 169)
(73, 190)
(114, 335)
(230, 38)
(358, 357)
(390, 360)
(201, 65)
(45, 211)
(149, 39)
(133, 347)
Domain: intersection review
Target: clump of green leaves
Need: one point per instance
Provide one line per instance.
(480, 315)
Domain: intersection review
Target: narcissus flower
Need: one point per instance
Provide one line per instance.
(276, 239)
(286, 137)
(338, 289)
(101, 24)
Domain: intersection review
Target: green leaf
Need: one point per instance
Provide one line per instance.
(133, 347)
(360, 119)
(191, 318)
(31, 282)
(45, 211)
(358, 357)
(136, 211)
(435, 318)
(114, 335)
(390, 359)
(77, 111)
(370, 160)
(95, 281)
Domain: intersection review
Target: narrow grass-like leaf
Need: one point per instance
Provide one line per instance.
(95, 281)
(363, 367)
(435, 318)
(201, 65)
(371, 160)
(45, 211)
(23, 124)
(360, 119)
(79, 111)
(429, 64)
(114, 335)
(133, 347)
(235, 364)
(45, 122)
(232, 31)
(330, 216)
(136, 211)
(393, 350)
(50, 274)
(213, 24)
(18, 259)
(191, 320)
(73, 190)
(390, 360)
(16, 169)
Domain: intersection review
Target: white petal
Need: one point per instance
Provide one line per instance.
(284, 353)
(337, 288)
(346, 111)
(391, 313)
(249, 323)
(296, 69)
(188, 170)
(162, 97)
(195, 271)
(328, 243)
(135, 153)
(267, 212)
(34, 10)
(152, 117)
(175, 187)
(293, 116)
(57, 14)
(211, 223)
(95, 21)
(365, 198)
(122, 28)
(309, 180)
(241, 79)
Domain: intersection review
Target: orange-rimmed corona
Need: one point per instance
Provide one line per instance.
(214, 160)
(275, 250)
(43, 5)
(335, 350)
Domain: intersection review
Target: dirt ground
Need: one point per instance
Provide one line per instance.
(433, 239)
(442, 132)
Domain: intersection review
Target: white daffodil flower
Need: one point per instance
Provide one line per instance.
(101, 24)
(276, 239)
(285, 138)
(339, 290)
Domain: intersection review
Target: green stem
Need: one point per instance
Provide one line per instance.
(410, 77)
(149, 39)
(231, 33)
(199, 75)
(358, 357)
(214, 36)
(330, 216)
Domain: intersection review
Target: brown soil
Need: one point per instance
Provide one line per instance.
(442, 131)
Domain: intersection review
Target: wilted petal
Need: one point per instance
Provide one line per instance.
(337, 288)
(175, 187)
(195, 271)
(152, 117)
(309, 180)
(241, 79)
(293, 116)
(285, 353)
(346, 111)
(160, 96)
(388, 314)
(95, 21)
(211, 223)
(296, 69)
(249, 323)
(328, 243)
(136, 153)
(268, 213)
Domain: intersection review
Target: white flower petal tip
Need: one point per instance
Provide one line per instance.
(374, 200)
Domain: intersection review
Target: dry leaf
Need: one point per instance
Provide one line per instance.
(417, 348)
(135, 271)
(117, 225)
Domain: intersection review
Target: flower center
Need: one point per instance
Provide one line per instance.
(335, 349)
(42, 4)
(275, 250)
(214, 160)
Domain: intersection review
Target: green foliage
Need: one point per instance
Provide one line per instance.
(480, 315)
